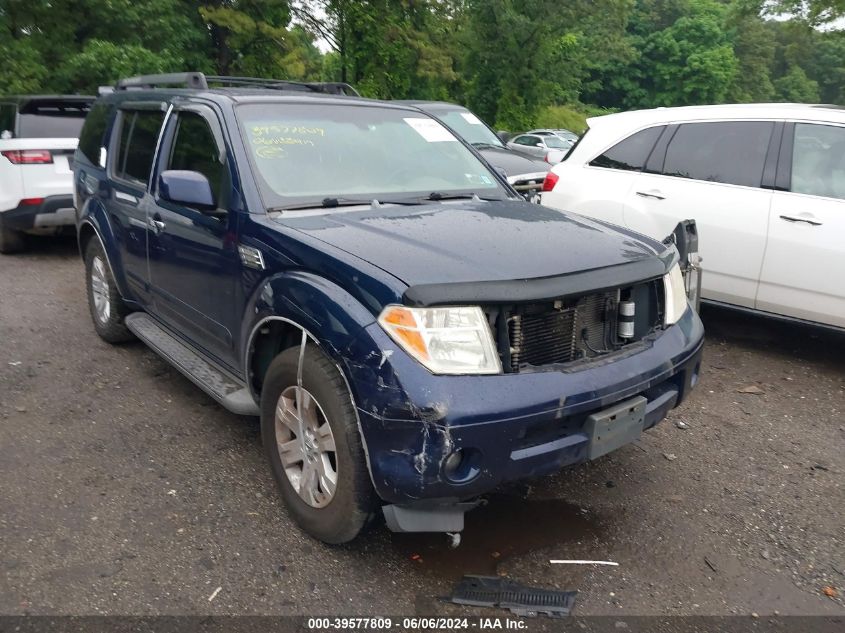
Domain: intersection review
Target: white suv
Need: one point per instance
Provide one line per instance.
(764, 183)
(38, 135)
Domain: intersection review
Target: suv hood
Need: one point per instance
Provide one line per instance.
(514, 164)
(473, 241)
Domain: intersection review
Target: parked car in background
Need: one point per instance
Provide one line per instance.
(38, 135)
(524, 173)
(549, 148)
(764, 183)
(566, 135)
(410, 331)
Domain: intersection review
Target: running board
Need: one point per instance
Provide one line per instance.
(220, 385)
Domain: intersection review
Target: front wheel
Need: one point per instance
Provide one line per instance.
(310, 434)
(104, 302)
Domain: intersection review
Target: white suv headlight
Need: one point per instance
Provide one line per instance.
(675, 294)
(453, 340)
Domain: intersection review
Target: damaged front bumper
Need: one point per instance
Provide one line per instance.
(442, 439)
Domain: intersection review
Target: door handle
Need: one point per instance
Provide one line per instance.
(158, 224)
(651, 194)
(790, 218)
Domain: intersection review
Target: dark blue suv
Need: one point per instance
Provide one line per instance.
(411, 332)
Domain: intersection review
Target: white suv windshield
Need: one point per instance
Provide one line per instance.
(310, 152)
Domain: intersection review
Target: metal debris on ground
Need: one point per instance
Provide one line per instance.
(670, 456)
(519, 599)
(584, 562)
(682, 425)
(750, 389)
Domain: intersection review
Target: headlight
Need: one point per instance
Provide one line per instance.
(455, 340)
(675, 294)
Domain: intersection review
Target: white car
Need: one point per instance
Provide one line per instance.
(764, 183)
(548, 147)
(38, 135)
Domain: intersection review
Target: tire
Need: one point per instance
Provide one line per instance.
(104, 302)
(11, 241)
(353, 499)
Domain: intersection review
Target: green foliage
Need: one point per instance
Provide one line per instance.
(102, 63)
(796, 87)
(517, 63)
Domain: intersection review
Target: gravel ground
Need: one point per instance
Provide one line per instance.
(125, 490)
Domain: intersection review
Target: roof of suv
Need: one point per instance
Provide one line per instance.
(798, 111)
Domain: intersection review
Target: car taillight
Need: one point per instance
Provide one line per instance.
(31, 202)
(29, 156)
(550, 181)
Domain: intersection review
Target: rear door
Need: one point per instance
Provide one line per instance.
(711, 172)
(803, 266)
(193, 257)
(134, 141)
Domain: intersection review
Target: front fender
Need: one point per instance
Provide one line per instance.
(330, 315)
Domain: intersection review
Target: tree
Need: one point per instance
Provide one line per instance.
(815, 12)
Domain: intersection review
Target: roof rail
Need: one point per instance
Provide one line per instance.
(188, 80)
(201, 81)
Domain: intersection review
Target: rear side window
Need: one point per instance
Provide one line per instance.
(632, 153)
(818, 160)
(139, 131)
(196, 150)
(91, 137)
(730, 152)
(52, 118)
(526, 140)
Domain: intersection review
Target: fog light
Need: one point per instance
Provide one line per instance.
(453, 462)
(462, 465)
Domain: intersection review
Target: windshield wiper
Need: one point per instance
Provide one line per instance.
(331, 203)
(439, 195)
(483, 145)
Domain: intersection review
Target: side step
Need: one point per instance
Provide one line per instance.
(220, 385)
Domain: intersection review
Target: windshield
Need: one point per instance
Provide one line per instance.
(555, 142)
(311, 152)
(469, 126)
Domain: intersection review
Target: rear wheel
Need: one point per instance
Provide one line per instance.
(104, 302)
(11, 241)
(310, 434)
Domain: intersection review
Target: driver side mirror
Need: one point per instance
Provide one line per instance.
(504, 136)
(188, 188)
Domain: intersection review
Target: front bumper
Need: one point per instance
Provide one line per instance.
(52, 212)
(510, 426)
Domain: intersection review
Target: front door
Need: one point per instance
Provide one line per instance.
(802, 270)
(193, 258)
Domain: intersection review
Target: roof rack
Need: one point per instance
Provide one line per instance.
(201, 81)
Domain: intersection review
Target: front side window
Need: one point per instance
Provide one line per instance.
(195, 149)
(730, 152)
(632, 153)
(818, 160)
(139, 131)
(7, 119)
(306, 153)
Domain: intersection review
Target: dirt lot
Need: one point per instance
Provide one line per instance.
(125, 490)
